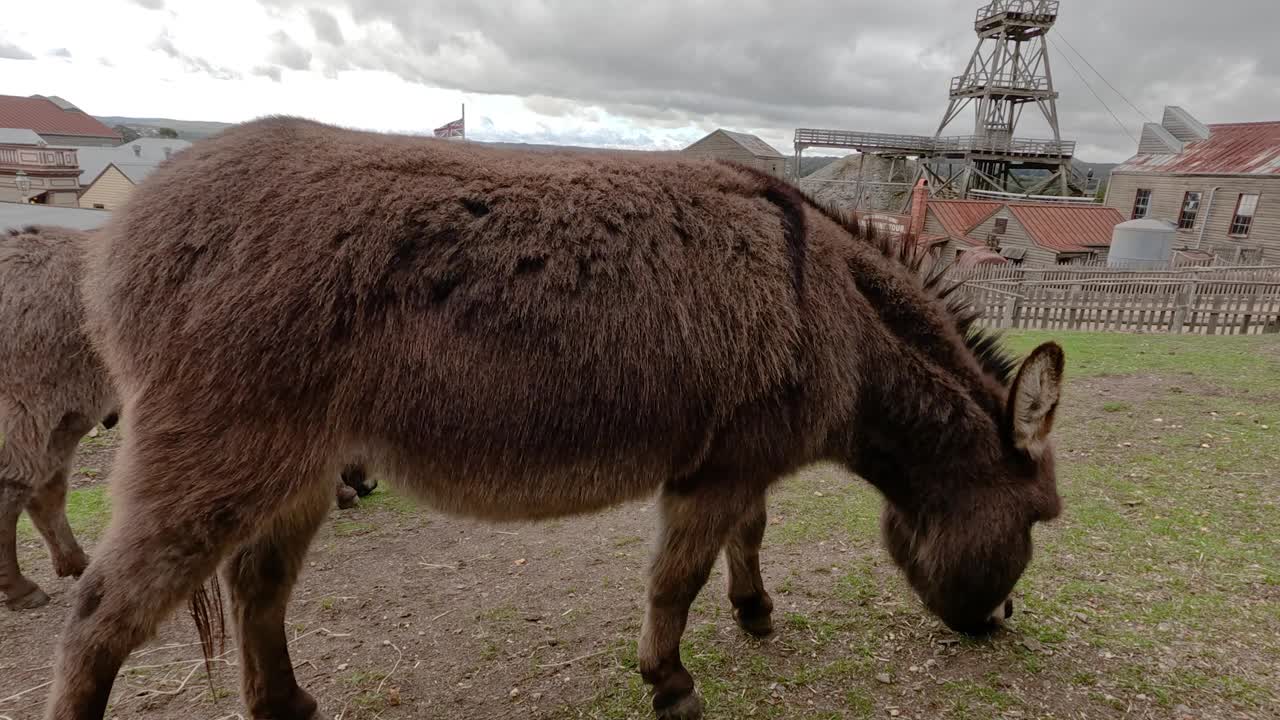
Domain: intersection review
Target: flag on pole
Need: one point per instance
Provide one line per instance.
(455, 129)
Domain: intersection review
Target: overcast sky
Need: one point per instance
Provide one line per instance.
(653, 74)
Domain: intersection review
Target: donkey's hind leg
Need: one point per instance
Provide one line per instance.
(697, 517)
(752, 606)
(180, 502)
(48, 504)
(23, 464)
(260, 576)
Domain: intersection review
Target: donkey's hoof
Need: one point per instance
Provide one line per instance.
(756, 624)
(687, 707)
(347, 497)
(754, 614)
(33, 599)
(71, 566)
(301, 706)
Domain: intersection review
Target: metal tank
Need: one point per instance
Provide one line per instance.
(1145, 244)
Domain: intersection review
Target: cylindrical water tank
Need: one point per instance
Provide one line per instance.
(1145, 244)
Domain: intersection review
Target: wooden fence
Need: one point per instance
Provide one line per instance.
(1206, 301)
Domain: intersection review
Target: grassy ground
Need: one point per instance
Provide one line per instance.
(1157, 594)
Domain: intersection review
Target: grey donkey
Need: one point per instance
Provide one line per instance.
(53, 390)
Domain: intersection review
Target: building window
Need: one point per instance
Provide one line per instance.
(1141, 204)
(99, 206)
(1242, 221)
(1190, 208)
(1002, 226)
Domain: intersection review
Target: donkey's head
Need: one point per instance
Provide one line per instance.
(963, 553)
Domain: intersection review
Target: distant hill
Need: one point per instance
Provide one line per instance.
(150, 127)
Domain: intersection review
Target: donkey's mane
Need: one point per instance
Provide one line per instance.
(904, 250)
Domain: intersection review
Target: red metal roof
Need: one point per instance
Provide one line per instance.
(1067, 228)
(1232, 149)
(46, 118)
(959, 217)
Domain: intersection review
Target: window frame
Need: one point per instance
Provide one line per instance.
(1137, 202)
(1235, 216)
(1187, 218)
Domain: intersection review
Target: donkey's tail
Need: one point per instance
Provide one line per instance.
(207, 612)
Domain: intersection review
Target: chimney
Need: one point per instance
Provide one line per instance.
(919, 204)
(137, 150)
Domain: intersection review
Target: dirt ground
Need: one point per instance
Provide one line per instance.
(1139, 604)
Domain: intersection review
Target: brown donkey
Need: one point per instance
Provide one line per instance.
(517, 336)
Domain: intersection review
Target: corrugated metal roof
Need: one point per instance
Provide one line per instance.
(1067, 228)
(1232, 149)
(19, 215)
(46, 118)
(959, 217)
(19, 136)
(93, 160)
(754, 145)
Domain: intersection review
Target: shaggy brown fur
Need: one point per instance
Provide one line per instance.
(53, 390)
(517, 335)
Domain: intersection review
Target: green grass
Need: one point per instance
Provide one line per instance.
(1235, 361)
(88, 510)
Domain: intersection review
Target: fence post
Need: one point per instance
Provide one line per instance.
(1255, 299)
(1074, 301)
(1181, 307)
(1010, 319)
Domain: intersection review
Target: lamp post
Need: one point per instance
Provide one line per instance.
(23, 181)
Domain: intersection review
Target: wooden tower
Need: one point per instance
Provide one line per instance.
(1008, 71)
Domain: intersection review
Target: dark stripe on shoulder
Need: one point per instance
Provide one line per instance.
(795, 231)
(791, 203)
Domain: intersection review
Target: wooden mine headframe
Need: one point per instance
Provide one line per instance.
(1008, 71)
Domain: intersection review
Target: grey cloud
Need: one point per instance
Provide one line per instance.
(325, 26)
(191, 63)
(9, 51)
(151, 4)
(270, 71)
(289, 53)
(489, 131)
(857, 64)
(165, 45)
(60, 52)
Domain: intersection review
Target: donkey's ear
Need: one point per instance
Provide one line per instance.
(1033, 398)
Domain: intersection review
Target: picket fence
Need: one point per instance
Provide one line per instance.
(1206, 301)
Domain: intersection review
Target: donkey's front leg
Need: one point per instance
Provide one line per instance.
(696, 518)
(752, 606)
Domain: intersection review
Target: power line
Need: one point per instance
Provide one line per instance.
(1104, 78)
(1119, 124)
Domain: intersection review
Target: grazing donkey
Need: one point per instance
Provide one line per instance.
(53, 390)
(523, 335)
